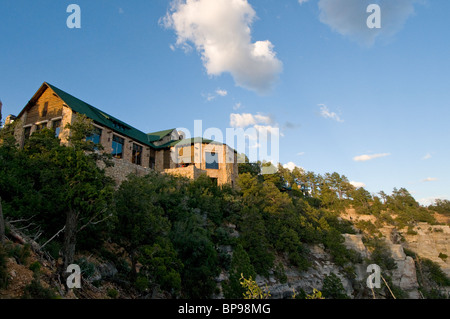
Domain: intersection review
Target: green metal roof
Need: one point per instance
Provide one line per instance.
(107, 120)
(156, 136)
(117, 125)
(189, 141)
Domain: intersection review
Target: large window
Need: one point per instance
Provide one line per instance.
(152, 161)
(212, 160)
(117, 146)
(56, 125)
(137, 154)
(96, 136)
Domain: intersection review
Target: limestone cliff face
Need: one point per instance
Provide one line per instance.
(356, 288)
(431, 242)
(427, 241)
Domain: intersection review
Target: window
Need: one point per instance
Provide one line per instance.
(96, 135)
(137, 154)
(40, 126)
(117, 146)
(27, 132)
(152, 163)
(214, 181)
(56, 125)
(212, 160)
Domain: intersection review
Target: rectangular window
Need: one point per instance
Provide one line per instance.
(117, 146)
(152, 163)
(96, 136)
(212, 160)
(137, 154)
(40, 126)
(27, 132)
(56, 125)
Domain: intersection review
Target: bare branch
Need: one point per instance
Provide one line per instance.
(91, 221)
(21, 220)
(55, 235)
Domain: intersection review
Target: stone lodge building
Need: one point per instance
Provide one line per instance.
(133, 151)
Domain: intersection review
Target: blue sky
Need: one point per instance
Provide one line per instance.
(372, 104)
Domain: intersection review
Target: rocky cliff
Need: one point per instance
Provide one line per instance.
(423, 241)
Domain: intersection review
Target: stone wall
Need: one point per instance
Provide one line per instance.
(191, 172)
(121, 169)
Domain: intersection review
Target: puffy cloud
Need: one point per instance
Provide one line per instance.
(427, 156)
(326, 113)
(246, 119)
(349, 17)
(364, 158)
(290, 166)
(430, 179)
(358, 184)
(221, 31)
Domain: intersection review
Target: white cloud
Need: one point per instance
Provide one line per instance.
(301, 153)
(326, 113)
(430, 179)
(365, 157)
(221, 92)
(290, 166)
(121, 11)
(358, 184)
(302, 1)
(427, 156)
(349, 18)
(246, 119)
(211, 96)
(220, 30)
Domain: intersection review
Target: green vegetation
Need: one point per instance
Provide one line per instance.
(167, 234)
(442, 206)
(333, 288)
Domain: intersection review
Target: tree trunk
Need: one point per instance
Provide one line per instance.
(2, 224)
(70, 238)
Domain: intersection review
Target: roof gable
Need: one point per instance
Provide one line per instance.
(156, 136)
(100, 117)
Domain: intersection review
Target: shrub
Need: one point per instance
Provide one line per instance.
(87, 268)
(19, 253)
(35, 290)
(35, 267)
(112, 293)
(142, 283)
(443, 256)
(333, 288)
(53, 248)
